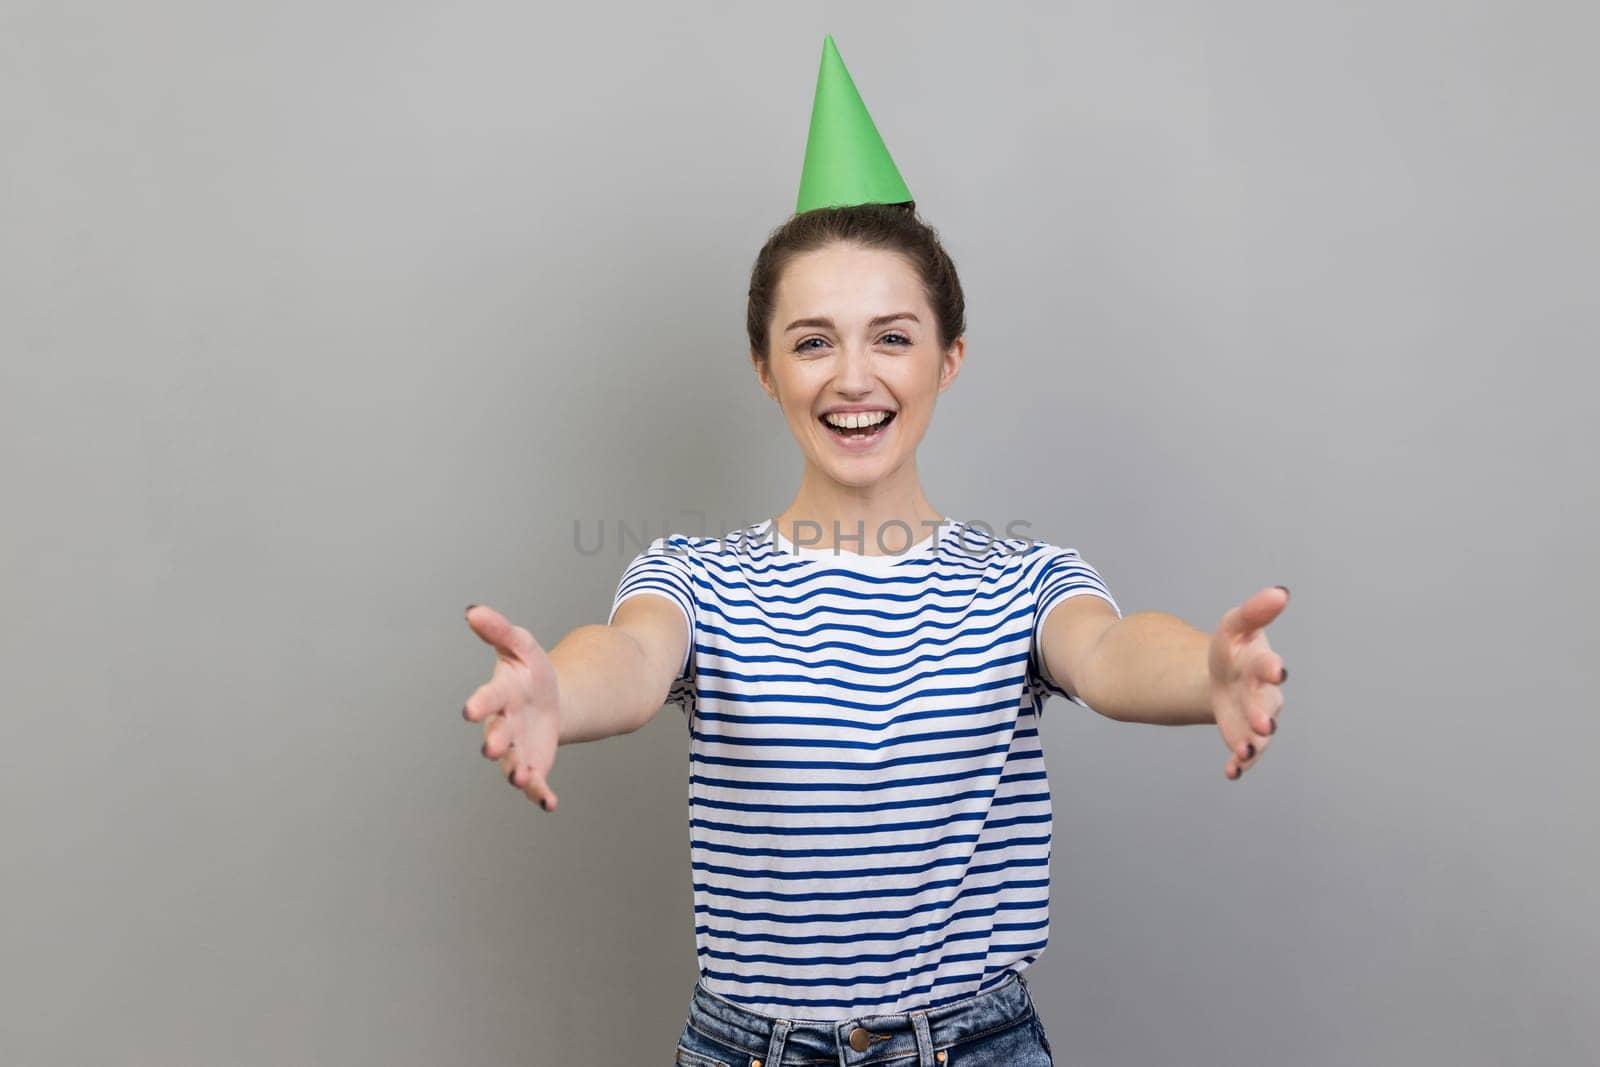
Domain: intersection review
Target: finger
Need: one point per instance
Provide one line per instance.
(1255, 750)
(1265, 702)
(541, 794)
(531, 783)
(1269, 668)
(1236, 766)
(508, 640)
(497, 737)
(488, 699)
(1248, 751)
(1261, 712)
(1249, 754)
(1244, 740)
(1244, 619)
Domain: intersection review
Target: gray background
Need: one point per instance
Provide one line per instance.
(321, 321)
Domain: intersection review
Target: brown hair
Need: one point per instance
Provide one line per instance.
(895, 227)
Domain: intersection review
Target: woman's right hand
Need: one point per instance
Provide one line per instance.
(519, 706)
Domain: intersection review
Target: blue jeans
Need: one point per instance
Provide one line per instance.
(996, 1027)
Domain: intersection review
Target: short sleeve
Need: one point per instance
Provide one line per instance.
(664, 569)
(1061, 575)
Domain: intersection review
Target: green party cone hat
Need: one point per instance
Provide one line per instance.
(846, 161)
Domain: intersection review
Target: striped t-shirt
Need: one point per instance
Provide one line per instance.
(869, 814)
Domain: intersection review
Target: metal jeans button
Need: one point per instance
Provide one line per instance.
(860, 1039)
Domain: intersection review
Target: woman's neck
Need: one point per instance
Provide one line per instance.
(880, 519)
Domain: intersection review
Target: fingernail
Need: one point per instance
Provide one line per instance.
(1273, 728)
(1285, 589)
(511, 776)
(471, 606)
(1235, 776)
(1249, 750)
(1285, 676)
(484, 748)
(464, 714)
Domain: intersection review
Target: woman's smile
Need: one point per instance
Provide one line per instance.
(857, 430)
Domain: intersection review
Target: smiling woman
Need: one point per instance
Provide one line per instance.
(855, 321)
(869, 808)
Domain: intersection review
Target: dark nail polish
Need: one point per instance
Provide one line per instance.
(1273, 728)
(1285, 589)
(484, 748)
(464, 714)
(511, 776)
(1284, 677)
(1249, 750)
(469, 607)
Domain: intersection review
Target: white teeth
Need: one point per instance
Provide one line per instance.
(855, 420)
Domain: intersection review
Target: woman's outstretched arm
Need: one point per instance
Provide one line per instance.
(600, 680)
(615, 678)
(1152, 667)
(1147, 667)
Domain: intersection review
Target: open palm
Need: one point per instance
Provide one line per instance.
(1246, 676)
(519, 705)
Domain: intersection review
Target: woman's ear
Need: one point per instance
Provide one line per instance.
(763, 374)
(950, 365)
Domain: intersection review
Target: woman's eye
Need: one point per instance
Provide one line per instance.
(893, 338)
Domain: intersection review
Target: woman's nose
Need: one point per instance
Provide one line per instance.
(855, 371)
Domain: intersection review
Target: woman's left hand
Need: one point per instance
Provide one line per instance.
(1246, 676)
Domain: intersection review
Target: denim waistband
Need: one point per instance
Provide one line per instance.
(907, 1039)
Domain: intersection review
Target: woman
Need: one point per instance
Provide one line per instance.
(863, 678)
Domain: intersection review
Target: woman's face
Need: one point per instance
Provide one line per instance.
(853, 339)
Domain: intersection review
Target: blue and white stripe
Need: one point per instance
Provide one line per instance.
(869, 813)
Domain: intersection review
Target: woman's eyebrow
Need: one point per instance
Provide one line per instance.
(879, 321)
